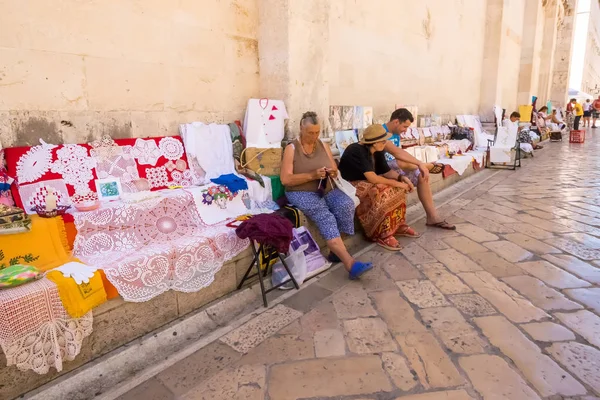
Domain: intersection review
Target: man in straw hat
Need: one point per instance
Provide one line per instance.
(381, 191)
(416, 171)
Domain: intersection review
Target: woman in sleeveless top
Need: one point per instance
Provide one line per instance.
(305, 170)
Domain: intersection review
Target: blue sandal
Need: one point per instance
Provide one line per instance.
(358, 269)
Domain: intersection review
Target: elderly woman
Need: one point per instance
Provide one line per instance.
(381, 190)
(305, 170)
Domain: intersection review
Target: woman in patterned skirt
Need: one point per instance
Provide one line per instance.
(382, 191)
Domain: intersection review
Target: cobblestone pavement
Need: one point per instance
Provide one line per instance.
(506, 307)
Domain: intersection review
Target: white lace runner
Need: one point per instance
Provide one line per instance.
(36, 333)
(148, 248)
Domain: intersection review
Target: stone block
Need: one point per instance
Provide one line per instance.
(223, 284)
(121, 325)
(327, 377)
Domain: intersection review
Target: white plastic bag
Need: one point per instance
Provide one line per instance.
(347, 188)
(296, 262)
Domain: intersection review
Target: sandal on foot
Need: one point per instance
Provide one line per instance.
(359, 268)
(437, 169)
(408, 232)
(389, 243)
(442, 225)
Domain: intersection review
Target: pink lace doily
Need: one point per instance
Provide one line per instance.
(36, 333)
(157, 245)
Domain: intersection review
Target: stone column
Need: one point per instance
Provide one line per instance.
(531, 46)
(562, 57)
(293, 39)
(490, 93)
(548, 50)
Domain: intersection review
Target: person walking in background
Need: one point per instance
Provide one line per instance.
(595, 112)
(587, 113)
(578, 112)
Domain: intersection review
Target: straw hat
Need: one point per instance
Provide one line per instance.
(374, 134)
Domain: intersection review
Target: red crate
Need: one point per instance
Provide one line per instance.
(577, 136)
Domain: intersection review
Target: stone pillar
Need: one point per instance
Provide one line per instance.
(490, 91)
(531, 46)
(293, 39)
(562, 57)
(548, 50)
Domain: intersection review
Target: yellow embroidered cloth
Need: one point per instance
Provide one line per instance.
(44, 246)
(78, 300)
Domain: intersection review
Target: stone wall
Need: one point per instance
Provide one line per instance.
(425, 53)
(591, 69)
(74, 70)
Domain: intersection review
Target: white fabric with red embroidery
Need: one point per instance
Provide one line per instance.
(264, 123)
(150, 247)
(36, 333)
(75, 166)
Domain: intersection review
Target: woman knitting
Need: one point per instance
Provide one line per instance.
(305, 170)
(382, 191)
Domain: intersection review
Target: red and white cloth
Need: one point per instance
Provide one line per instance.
(71, 169)
(264, 123)
(161, 244)
(36, 333)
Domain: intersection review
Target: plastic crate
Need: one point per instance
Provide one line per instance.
(577, 136)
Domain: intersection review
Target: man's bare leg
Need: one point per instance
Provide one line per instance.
(426, 198)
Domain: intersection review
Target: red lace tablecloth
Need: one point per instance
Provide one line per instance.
(153, 246)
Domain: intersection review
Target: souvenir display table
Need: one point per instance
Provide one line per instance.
(159, 244)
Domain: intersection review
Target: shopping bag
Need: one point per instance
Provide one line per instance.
(347, 188)
(296, 262)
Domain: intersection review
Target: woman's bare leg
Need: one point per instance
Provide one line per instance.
(338, 247)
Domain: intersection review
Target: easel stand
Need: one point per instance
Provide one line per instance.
(259, 273)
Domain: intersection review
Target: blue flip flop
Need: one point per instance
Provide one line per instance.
(358, 269)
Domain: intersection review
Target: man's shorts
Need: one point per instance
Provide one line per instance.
(413, 176)
(596, 114)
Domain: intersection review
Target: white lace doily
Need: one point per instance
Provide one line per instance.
(75, 166)
(36, 333)
(146, 152)
(157, 177)
(34, 164)
(171, 148)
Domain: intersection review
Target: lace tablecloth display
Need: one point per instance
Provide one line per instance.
(148, 248)
(36, 333)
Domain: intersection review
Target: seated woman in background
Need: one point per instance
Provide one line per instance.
(560, 125)
(381, 191)
(305, 170)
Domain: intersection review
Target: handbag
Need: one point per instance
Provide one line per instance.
(347, 188)
(262, 161)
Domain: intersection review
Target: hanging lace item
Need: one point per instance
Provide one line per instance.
(36, 333)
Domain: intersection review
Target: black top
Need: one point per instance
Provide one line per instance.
(356, 160)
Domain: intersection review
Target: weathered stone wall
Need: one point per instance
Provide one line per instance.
(74, 70)
(591, 68)
(426, 53)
